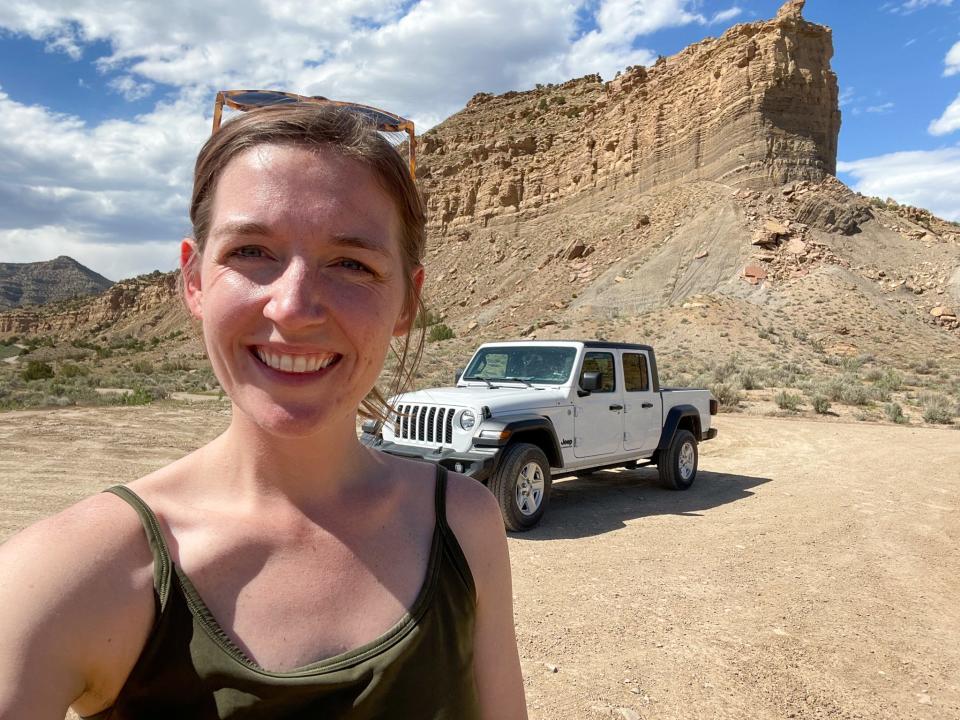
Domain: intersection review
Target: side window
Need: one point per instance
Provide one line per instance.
(601, 362)
(635, 375)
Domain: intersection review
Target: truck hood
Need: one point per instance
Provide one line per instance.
(500, 400)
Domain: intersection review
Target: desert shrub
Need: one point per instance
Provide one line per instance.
(439, 332)
(879, 393)
(937, 408)
(70, 370)
(143, 367)
(873, 375)
(426, 319)
(821, 405)
(175, 366)
(139, 396)
(925, 367)
(788, 401)
(855, 394)
(723, 372)
(751, 378)
(37, 370)
(889, 380)
(728, 394)
(894, 413)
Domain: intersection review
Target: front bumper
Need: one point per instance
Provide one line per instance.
(478, 465)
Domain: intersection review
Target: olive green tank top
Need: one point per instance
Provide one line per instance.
(420, 669)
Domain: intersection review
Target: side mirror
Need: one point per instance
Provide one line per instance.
(457, 375)
(590, 382)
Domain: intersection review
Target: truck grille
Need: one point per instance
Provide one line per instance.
(424, 423)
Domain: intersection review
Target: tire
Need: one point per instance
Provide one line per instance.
(677, 464)
(521, 485)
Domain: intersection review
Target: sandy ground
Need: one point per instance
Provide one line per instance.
(811, 572)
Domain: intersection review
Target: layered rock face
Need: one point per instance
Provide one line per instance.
(756, 107)
(132, 306)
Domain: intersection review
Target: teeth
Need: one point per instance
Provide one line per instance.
(294, 363)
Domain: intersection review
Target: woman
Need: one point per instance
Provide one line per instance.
(282, 570)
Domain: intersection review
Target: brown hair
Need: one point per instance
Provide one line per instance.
(348, 133)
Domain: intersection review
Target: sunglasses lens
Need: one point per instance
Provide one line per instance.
(259, 98)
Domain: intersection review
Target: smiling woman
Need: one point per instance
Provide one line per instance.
(283, 570)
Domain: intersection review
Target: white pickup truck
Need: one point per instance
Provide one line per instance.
(524, 412)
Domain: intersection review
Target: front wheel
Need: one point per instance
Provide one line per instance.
(677, 464)
(521, 484)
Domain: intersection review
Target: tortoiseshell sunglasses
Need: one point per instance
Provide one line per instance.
(392, 127)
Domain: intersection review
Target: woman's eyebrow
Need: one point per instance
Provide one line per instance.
(241, 228)
(361, 243)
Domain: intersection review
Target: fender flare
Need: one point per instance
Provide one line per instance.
(501, 432)
(672, 421)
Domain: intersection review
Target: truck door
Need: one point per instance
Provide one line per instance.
(643, 408)
(598, 427)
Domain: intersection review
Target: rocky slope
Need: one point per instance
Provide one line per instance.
(41, 282)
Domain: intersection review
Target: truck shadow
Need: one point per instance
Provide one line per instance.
(605, 501)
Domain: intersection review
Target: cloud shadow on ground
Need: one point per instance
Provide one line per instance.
(607, 500)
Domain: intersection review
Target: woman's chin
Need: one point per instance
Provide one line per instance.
(293, 421)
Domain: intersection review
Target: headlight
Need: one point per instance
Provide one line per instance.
(468, 419)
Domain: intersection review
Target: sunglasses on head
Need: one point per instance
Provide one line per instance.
(394, 128)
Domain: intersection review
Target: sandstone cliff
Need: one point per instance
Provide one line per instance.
(756, 107)
(136, 306)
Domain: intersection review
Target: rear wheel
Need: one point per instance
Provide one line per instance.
(677, 464)
(521, 484)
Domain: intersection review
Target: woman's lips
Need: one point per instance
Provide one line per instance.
(295, 363)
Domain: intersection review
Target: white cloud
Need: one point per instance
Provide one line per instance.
(952, 61)
(913, 5)
(881, 109)
(949, 121)
(726, 15)
(130, 89)
(928, 179)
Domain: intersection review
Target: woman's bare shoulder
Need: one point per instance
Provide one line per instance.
(75, 593)
(474, 516)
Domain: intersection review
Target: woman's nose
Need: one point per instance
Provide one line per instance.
(295, 297)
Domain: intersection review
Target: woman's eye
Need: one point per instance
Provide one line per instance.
(249, 251)
(354, 265)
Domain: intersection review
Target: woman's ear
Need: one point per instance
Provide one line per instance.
(190, 272)
(405, 321)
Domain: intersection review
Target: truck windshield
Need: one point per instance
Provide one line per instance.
(546, 365)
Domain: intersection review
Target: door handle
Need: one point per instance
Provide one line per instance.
(647, 405)
(616, 407)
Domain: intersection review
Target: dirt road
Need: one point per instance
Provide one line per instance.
(813, 571)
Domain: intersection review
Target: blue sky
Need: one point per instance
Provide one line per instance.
(102, 108)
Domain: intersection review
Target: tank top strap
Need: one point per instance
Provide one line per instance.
(454, 551)
(162, 565)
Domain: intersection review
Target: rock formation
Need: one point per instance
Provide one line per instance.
(41, 282)
(756, 107)
(133, 306)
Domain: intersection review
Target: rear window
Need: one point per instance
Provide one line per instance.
(635, 375)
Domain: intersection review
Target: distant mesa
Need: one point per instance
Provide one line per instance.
(39, 283)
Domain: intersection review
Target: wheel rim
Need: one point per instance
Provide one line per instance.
(686, 461)
(530, 484)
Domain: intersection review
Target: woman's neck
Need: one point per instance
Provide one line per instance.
(306, 469)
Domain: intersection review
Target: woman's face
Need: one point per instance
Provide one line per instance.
(300, 287)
